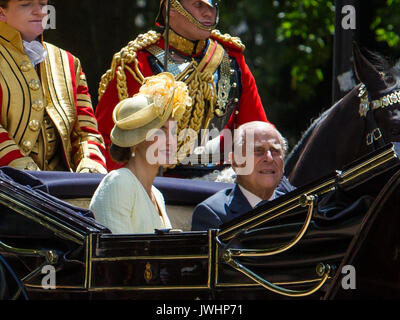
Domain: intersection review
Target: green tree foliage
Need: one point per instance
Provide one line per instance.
(386, 24)
(308, 27)
(289, 49)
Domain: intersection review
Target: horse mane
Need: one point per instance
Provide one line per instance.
(292, 158)
(387, 65)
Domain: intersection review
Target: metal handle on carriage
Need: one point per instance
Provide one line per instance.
(323, 271)
(50, 255)
(305, 200)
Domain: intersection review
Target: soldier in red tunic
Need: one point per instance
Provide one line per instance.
(222, 88)
(47, 120)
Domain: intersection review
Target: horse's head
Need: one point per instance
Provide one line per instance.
(367, 118)
(379, 96)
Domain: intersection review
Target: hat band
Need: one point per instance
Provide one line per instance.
(143, 116)
(135, 120)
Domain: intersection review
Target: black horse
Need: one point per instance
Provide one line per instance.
(365, 119)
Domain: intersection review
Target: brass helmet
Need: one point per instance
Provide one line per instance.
(176, 4)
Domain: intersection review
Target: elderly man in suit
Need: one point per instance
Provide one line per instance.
(258, 161)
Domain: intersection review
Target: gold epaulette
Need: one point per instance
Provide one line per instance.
(227, 38)
(121, 61)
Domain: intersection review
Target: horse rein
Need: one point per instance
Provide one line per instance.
(374, 132)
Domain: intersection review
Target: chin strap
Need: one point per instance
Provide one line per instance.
(168, 9)
(181, 10)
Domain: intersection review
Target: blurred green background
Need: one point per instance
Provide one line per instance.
(289, 45)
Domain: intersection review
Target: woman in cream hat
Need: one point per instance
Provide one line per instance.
(143, 139)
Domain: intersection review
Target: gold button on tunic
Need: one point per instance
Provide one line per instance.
(37, 105)
(34, 125)
(34, 84)
(26, 66)
(27, 145)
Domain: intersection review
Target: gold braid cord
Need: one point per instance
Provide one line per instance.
(227, 38)
(203, 93)
(122, 60)
(201, 86)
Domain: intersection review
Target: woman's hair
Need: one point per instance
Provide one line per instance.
(120, 154)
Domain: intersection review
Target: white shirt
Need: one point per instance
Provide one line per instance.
(122, 204)
(251, 197)
(35, 51)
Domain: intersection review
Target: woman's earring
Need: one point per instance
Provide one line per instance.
(133, 152)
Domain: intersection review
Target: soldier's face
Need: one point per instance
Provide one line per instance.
(26, 16)
(201, 11)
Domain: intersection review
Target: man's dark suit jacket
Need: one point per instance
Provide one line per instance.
(226, 205)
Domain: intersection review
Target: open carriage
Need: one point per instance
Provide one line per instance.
(294, 246)
(308, 243)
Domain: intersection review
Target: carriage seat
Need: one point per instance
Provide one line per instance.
(181, 195)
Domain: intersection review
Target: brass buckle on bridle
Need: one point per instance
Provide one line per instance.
(375, 135)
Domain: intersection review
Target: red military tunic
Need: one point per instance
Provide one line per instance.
(249, 107)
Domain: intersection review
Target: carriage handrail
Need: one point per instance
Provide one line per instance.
(51, 258)
(388, 157)
(50, 255)
(304, 201)
(323, 270)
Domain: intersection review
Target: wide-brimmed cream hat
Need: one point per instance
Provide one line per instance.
(159, 98)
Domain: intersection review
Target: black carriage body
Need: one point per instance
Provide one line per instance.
(271, 252)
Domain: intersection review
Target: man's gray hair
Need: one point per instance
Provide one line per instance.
(239, 135)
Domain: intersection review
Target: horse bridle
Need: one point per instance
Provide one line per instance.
(374, 137)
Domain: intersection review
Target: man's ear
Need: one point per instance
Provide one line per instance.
(231, 161)
(3, 15)
(173, 13)
(230, 158)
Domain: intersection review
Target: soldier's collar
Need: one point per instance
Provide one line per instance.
(11, 35)
(184, 45)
